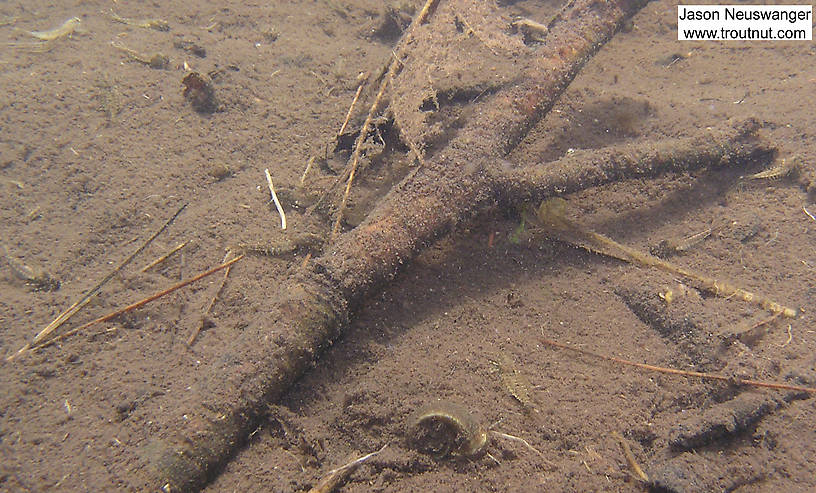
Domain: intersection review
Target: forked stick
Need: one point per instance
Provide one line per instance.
(313, 304)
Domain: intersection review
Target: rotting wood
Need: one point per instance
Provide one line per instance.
(582, 169)
(236, 394)
(722, 421)
(453, 186)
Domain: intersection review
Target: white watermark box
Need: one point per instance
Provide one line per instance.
(745, 22)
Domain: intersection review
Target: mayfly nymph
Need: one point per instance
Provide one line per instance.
(156, 61)
(157, 24)
(784, 168)
(514, 381)
(443, 428)
(65, 29)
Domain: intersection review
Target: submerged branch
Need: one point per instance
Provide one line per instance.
(584, 169)
(452, 187)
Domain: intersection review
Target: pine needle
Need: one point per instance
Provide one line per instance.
(67, 314)
(685, 373)
(138, 304)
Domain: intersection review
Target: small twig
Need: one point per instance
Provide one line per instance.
(64, 316)
(517, 439)
(630, 457)
(164, 257)
(336, 476)
(808, 213)
(200, 326)
(525, 443)
(790, 337)
(275, 199)
(357, 462)
(138, 304)
(308, 167)
(355, 159)
(685, 373)
(362, 78)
